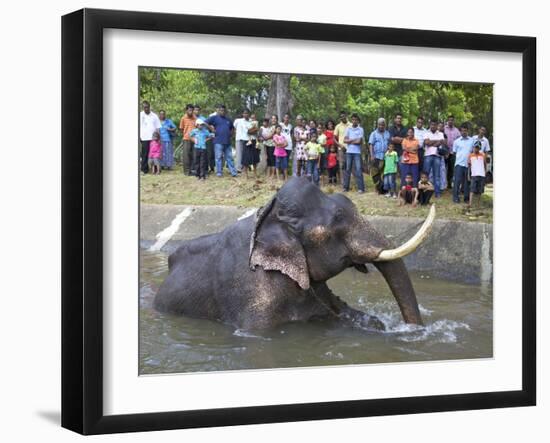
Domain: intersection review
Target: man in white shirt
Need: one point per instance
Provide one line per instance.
(286, 130)
(148, 124)
(432, 160)
(485, 146)
(242, 125)
(419, 133)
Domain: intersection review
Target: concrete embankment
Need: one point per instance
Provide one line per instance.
(455, 250)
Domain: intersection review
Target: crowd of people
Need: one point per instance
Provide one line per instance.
(427, 161)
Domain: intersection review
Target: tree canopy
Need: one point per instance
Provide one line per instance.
(319, 97)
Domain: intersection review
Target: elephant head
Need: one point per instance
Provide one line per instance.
(311, 236)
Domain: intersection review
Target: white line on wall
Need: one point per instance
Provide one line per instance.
(166, 234)
(247, 213)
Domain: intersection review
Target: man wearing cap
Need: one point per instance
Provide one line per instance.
(222, 126)
(379, 140)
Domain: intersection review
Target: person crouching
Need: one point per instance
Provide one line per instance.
(425, 189)
(408, 194)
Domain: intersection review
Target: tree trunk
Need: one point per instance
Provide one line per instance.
(279, 103)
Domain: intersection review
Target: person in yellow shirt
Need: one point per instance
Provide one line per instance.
(339, 136)
(313, 150)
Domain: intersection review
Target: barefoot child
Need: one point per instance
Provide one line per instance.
(281, 156)
(332, 165)
(155, 154)
(425, 189)
(477, 168)
(408, 193)
(390, 171)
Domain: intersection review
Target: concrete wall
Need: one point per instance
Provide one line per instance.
(455, 250)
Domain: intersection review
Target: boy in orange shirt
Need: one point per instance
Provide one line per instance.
(477, 167)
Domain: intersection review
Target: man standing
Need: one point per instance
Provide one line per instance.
(187, 124)
(481, 136)
(354, 140)
(432, 160)
(167, 131)
(452, 133)
(210, 162)
(222, 126)
(242, 125)
(379, 140)
(339, 135)
(462, 147)
(286, 131)
(148, 124)
(397, 133)
(419, 133)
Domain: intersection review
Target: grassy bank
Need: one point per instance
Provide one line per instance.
(171, 187)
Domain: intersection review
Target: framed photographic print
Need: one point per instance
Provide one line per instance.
(269, 221)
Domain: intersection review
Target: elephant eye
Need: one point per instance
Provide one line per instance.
(338, 215)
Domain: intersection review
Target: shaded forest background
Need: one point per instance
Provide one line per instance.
(316, 97)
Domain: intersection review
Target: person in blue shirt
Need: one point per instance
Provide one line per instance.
(210, 158)
(222, 126)
(200, 136)
(462, 147)
(354, 137)
(167, 133)
(379, 140)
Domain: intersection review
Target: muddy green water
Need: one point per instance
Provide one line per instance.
(458, 318)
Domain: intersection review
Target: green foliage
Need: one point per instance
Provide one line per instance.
(319, 97)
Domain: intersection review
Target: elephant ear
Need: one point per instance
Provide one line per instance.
(275, 246)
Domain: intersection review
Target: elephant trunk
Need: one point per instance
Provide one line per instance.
(367, 245)
(401, 286)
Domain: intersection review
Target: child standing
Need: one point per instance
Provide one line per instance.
(408, 193)
(200, 135)
(313, 151)
(155, 154)
(425, 189)
(332, 165)
(390, 171)
(281, 156)
(477, 168)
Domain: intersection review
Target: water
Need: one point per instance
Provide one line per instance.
(458, 319)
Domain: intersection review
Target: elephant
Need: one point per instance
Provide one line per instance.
(272, 267)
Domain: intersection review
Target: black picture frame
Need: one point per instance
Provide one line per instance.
(82, 219)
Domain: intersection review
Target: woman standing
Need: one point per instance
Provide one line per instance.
(167, 133)
(301, 135)
(266, 137)
(409, 158)
(251, 155)
(443, 167)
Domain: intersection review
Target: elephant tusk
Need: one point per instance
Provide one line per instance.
(412, 244)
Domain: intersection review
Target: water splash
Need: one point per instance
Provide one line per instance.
(439, 331)
(246, 334)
